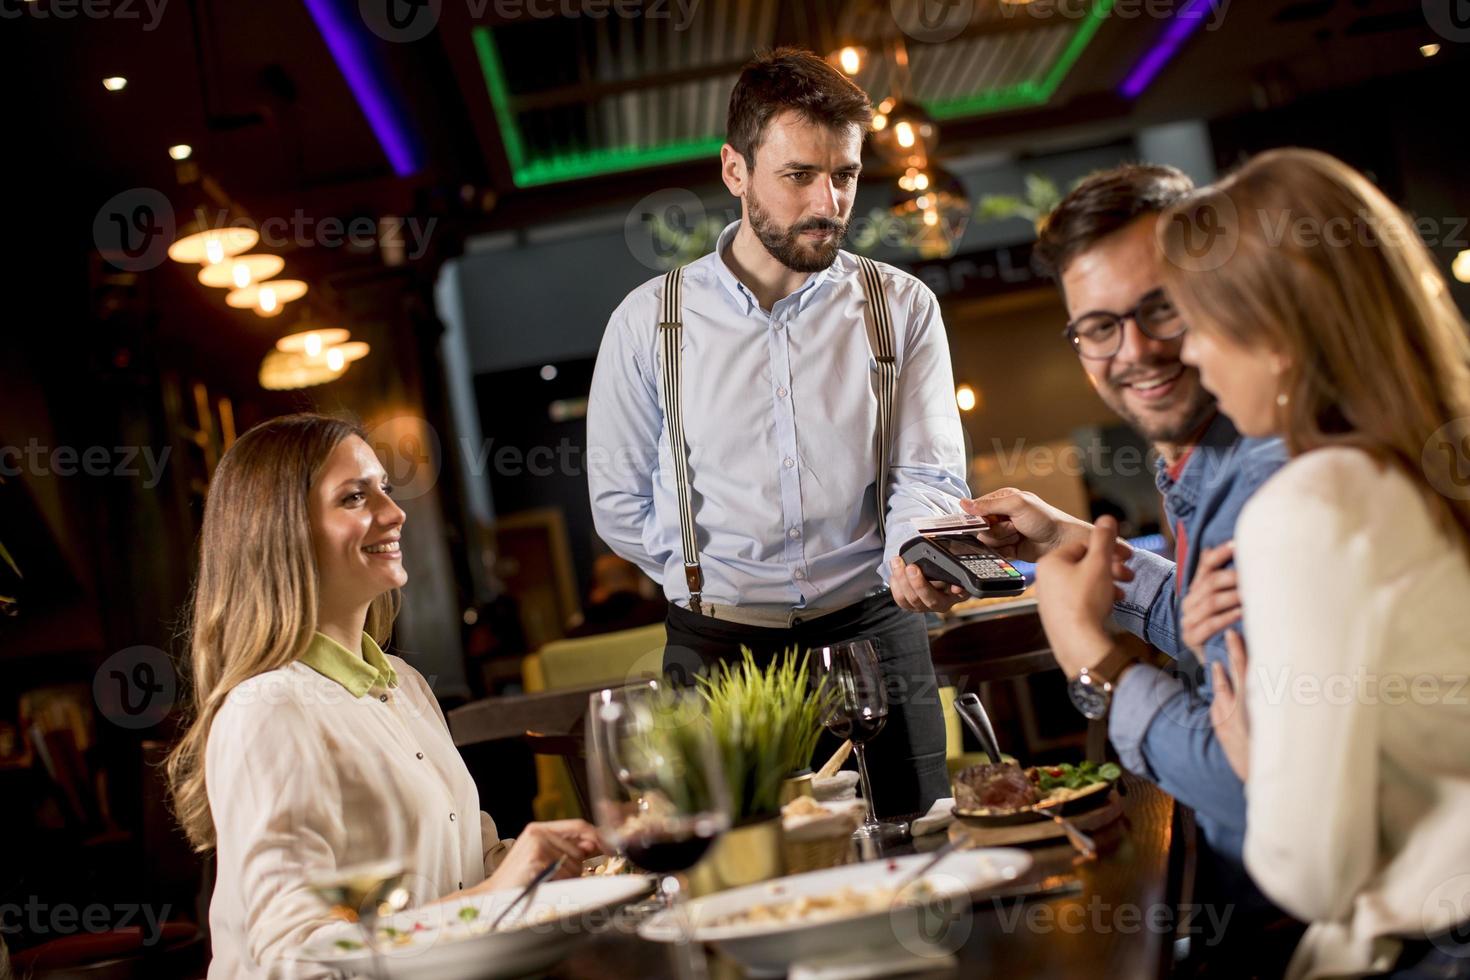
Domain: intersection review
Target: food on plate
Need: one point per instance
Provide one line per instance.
(1007, 788)
(995, 786)
(604, 865)
(841, 904)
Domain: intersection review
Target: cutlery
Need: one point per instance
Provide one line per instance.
(529, 890)
(972, 712)
(1084, 844)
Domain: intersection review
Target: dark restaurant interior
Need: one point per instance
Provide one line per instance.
(444, 201)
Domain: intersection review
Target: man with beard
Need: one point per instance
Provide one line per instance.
(758, 500)
(1099, 244)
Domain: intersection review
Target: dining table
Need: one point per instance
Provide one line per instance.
(1117, 915)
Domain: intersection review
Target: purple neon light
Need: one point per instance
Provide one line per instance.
(1185, 23)
(346, 41)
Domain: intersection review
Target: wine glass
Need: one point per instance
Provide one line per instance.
(657, 783)
(372, 878)
(857, 709)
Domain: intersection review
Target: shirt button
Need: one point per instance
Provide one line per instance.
(780, 392)
(418, 755)
(382, 697)
(452, 817)
(788, 462)
(794, 533)
(800, 574)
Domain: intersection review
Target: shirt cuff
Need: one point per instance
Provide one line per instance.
(1151, 573)
(1137, 697)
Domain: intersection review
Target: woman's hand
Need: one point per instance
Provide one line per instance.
(537, 846)
(1227, 711)
(1076, 586)
(1213, 600)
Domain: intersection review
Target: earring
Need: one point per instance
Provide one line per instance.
(1282, 399)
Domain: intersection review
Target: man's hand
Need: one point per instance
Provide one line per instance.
(1213, 600)
(537, 846)
(1075, 592)
(912, 591)
(1024, 526)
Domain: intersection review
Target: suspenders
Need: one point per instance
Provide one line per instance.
(671, 328)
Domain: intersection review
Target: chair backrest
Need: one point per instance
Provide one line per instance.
(571, 749)
(606, 658)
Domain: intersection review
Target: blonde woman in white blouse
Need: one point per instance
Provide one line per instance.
(1315, 314)
(304, 730)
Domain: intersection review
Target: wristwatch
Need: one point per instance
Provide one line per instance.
(1092, 690)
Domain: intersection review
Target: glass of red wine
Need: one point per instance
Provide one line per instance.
(857, 710)
(656, 780)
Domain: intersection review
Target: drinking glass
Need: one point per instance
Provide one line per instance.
(857, 711)
(657, 783)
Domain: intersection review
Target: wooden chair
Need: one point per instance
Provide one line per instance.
(571, 749)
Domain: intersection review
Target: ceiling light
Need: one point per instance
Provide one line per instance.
(267, 298)
(211, 245)
(1429, 50)
(114, 83)
(1460, 268)
(241, 271)
(312, 342)
(964, 397)
(548, 372)
(181, 151)
(281, 371)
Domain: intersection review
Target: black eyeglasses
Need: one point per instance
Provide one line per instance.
(1099, 335)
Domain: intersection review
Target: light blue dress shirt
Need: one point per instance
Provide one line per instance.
(780, 415)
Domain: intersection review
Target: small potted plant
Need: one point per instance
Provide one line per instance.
(766, 722)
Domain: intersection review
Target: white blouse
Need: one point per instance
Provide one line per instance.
(1357, 623)
(297, 769)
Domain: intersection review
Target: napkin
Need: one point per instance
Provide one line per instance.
(865, 963)
(842, 786)
(940, 816)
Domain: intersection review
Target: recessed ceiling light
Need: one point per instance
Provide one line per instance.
(181, 151)
(114, 83)
(1429, 50)
(548, 372)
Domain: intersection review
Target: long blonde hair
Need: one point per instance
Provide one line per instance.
(254, 605)
(1329, 272)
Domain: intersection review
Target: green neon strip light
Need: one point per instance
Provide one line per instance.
(592, 163)
(1028, 93)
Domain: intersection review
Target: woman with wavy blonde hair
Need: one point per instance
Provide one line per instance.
(1316, 314)
(304, 730)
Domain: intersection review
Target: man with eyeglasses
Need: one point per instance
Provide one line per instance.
(1099, 245)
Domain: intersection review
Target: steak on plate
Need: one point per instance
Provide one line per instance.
(997, 786)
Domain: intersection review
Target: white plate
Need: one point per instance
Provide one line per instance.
(769, 949)
(451, 947)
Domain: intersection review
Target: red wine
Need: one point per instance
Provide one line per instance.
(667, 853)
(857, 724)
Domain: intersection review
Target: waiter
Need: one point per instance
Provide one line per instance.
(766, 423)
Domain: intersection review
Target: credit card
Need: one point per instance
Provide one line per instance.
(950, 524)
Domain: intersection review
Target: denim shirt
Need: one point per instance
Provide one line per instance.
(1160, 720)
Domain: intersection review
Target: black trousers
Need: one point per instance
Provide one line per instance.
(905, 759)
